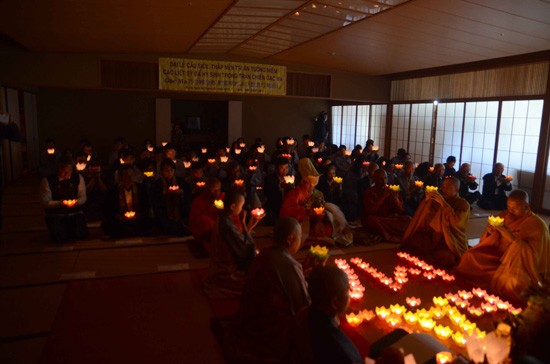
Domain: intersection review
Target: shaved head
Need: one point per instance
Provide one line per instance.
(287, 232)
(519, 196)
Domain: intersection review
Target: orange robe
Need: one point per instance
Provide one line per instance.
(383, 213)
(510, 267)
(202, 217)
(438, 230)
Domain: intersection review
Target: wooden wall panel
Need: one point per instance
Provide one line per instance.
(521, 80)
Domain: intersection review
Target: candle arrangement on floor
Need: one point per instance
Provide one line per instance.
(356, 289)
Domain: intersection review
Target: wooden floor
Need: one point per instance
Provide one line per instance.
(34, 273)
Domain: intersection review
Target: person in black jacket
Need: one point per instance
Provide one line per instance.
(495, 186)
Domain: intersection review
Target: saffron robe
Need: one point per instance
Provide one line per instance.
(510, 267)
(383, 213)
(439, 230)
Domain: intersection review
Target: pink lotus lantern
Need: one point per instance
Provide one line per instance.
(413, 301)
(252, 168)
(310, 144)
(174, 188)
(238, 182)
(258, 212)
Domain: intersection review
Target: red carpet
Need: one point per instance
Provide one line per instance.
(156, 318)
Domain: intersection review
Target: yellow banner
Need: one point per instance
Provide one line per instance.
(196, 75)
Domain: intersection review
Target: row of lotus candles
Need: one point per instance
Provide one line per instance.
(356, 289)
(426, 319)
(418, 184)
(428, 271)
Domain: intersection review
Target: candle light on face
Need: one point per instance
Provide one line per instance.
(88, 157)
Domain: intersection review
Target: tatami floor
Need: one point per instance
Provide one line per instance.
(104, 300)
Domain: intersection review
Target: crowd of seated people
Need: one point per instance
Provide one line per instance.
(313, 194)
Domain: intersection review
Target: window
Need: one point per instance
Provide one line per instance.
(518, 140)
(355, 124)
(420, 132)
(448, 132)
(400, 128)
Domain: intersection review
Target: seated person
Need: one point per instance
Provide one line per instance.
(467, 183)
(411, 193)
(274, 293)
(435, 178)
(63, 195)
(495, 186)
(513, 256)
(203, 217)
(438, 229)
(168, 200)
(232, 249)
(300, 203)
(275, 189)
(332, 190)
(317, 338)
(126, 207)
(450, 166)
(383, 212)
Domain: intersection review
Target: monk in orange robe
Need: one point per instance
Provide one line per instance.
(513, 256)
(383, 212)
(438, 228)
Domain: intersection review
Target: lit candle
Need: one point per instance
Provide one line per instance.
(431, 169)
(69, 203)
(393, 320)
(204, 150)
(375, 148)
(238, 182)
(414, 271)
(211, 160)
(475, 311)
(174, 188)
(398, 166)
(443, 332)
(495, 221)
(238, 151)
(252, 168)
(397, 309)
(290, 141)
(218, 204)
(365, 163)
(258, 212)
(289, 179)
(459, 339)
(444, 357)
(319, 160)
(413, 301)
(508, 178)
(418, 183)
(129, 214)
(80, 166)
(395, 188)
(367, 315)
(195, 159)
(479, 292)
(200, 184)
(261, 149)
(338, 179)
(186, 164)
(242, 145)
(148, 173)
(164, 143)
(410, 318)
(224, 158)
(429, 189)
(150, 148)
(318, 210)
(382, 312)
(440, 301)
(354, 320)
(427, 324)
(51, 151)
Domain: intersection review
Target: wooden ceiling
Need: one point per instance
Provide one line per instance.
(372, 37)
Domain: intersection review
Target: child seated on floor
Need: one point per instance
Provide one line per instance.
(274, 293)
(317, 338)
(232, 249)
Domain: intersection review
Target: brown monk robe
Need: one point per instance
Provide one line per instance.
(510, 257)
(438, 228)
(383, 212)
